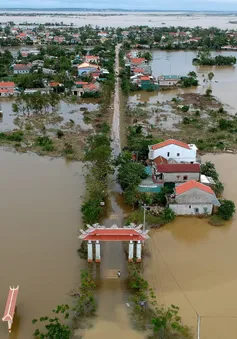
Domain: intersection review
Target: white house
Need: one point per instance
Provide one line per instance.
(193, 198)
(173, 149)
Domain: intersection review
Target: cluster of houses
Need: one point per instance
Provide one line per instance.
(89, 75)
(175, 164)
(36, 36)
(141, 74)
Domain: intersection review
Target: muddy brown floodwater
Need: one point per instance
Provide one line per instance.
(40, 217)
(223, 84)
(193, 264)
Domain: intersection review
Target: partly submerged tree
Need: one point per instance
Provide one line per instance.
(55, 328)
(226, 209)
(210, 76)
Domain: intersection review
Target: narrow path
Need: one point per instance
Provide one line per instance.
(113, 319)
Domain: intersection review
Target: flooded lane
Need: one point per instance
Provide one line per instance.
(192, 264)
(113, 313)
(40, 217)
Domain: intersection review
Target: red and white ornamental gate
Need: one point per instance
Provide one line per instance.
(97, 233)
(10, 306)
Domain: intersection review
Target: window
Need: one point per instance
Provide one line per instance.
(185, 177)
(178, 154)
(168, 154)
(196, 210)
(190, 206)
(205, 210)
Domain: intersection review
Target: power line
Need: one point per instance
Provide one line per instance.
(174, 277)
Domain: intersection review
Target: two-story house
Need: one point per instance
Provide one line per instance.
(174, 149)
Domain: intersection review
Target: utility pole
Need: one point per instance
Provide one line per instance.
(198, 326)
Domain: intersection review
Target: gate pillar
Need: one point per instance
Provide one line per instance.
(130, 251)
(90, 251)
(97, 251)
(139, 251)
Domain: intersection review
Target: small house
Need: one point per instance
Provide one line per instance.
(6, 88)
(174, 149)
(21, 68)
(168, 80)
(176, 173)
(193, 198)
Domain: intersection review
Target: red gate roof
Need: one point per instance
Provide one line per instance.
(114, 234)
(11, 304)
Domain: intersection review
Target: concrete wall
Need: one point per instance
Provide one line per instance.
(174, 152)
(195, 196)
(191, 209)
(180, 177)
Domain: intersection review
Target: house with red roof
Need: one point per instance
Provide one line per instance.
(6, 88)
(22, 68)
(176, 173)
(174, 149)
(193, 198)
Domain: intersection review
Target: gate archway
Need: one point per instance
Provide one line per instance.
(96, 233)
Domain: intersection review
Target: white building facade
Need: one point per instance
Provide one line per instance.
(174, 149)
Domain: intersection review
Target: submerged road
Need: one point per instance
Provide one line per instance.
(112, 316)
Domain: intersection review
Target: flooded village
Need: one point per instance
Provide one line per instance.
(118, 126)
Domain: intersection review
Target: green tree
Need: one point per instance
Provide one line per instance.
(226, 209)
(210, 76)
(208, 92)
(54, 327)
(208, 169)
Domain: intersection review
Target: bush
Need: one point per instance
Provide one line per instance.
(185, 108)
(46, 143)
(68, 148)
(14, 136)
(168, 215)
(226, 209)
(92, 211)
(59, 133)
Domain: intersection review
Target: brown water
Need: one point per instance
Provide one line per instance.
(127, 19)
(180, 63)
(65, 110)
(40, 217)
(192, 264)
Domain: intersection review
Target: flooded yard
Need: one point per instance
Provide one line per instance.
(40, 218)
(66, 112)
(192, 264)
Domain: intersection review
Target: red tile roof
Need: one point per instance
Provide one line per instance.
(145, 78)
(7, 84)
(178, 168)
(170, 142)
(114, 235)
(137, 60)
(11, 304)
(138, 70)
(54, 84)
(187, 186)
(81, 83)
(160, 160)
